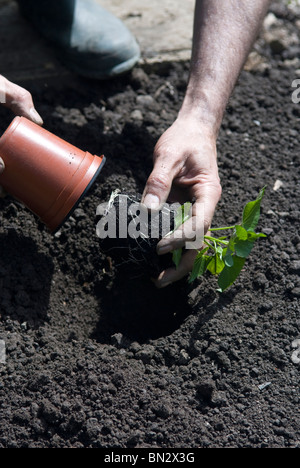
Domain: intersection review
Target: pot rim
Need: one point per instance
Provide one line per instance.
(82, 196)
(10, 130)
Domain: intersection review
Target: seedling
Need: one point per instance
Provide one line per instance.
(225, 256)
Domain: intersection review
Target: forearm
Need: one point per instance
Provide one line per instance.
(224, 32)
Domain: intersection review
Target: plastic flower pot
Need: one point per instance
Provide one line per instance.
(47, 174)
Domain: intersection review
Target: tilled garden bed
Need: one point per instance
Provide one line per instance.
(96, 356)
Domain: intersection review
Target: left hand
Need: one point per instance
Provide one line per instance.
(185, 169)
(18, 100)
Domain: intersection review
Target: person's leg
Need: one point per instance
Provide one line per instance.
(91, 41)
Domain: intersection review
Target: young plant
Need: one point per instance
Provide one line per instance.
(225, 256)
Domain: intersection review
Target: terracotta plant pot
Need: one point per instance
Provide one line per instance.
(47, 174)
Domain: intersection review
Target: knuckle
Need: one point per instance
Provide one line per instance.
(207, 224)
(20, 95)
(216, 189)
(219, 190)
(24, 95)
(159, 181)
(14, 94)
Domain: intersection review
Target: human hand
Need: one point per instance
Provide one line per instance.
(18, 100)
(185, 169)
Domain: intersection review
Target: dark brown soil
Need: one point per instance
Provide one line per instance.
(96, 356)
(135, 252)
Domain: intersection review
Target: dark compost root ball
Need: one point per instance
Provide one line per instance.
(129, 233)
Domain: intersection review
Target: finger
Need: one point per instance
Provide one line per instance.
(2, 165)
(191, 233)
(171, 275)
(18, 100)
(158, 187)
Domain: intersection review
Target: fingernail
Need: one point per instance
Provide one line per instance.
(151, 201)
(35, 116)
(2, 165)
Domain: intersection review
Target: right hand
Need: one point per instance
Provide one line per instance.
(185, 169)
(18, 100)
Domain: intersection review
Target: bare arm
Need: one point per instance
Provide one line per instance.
(224, 32)
(185, 157)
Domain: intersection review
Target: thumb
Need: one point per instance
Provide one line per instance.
(158, 187)
(19, 100)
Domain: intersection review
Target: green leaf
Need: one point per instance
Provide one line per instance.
(176, 256)
(252, 236)
(229, 274)
(241, 233)
(229, 252)
(216, 264)
(200, 265)
(228, 260)
(243, 248)
(251, 212)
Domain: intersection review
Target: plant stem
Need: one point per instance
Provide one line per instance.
(222, 228)
(216, 240)
(207, 243)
